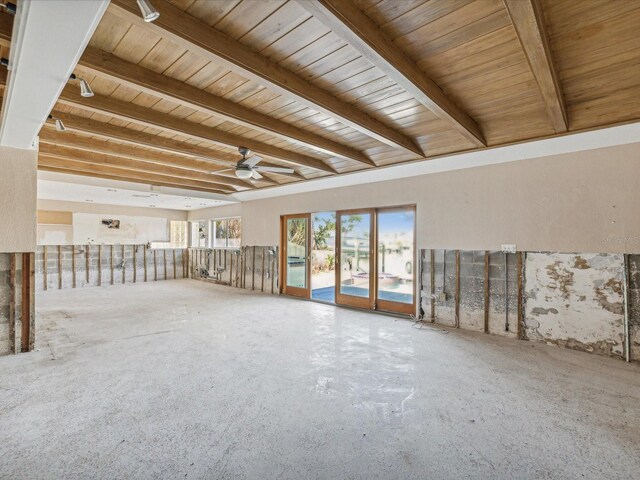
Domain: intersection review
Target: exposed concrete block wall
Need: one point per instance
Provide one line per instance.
(252, 267)
(107, 265)
(501, 316)
(571, 300)
(11, 303)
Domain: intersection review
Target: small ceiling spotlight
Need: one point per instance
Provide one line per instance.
(59, 125)
(85, 89)
(9, 7)
(149, 14)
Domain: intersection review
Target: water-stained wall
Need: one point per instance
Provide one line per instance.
(572, 300)
(576, 301)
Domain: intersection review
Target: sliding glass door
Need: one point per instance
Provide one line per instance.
(354, 282)
(369, 252)
(395, 260)
(296, 255)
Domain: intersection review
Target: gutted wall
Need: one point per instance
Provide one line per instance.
(251, 267)
(572, 300)
(575, 202)
(76, 266)
(18, 184)
(17, 303)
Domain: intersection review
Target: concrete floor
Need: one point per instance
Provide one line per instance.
(188, 379)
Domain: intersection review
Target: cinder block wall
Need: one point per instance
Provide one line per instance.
(572, 300)
(250, 267)
(76, 266)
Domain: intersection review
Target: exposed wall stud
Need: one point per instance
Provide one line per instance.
(31, 300)
(174, 263)
(99, 265)
(164, 261)
(144, 251)
(26, 304)
(87, 263)
(263, 252)
(486, 291)
(124, 265)
(111, 262)
(457, 289)
(432, 261)
(135, 262)
(155, 266)
(520, 324)
(59, 267)
(73, 266)
(45, 269)
(12, 302)
(253, 269)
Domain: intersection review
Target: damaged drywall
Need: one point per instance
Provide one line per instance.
(576, 301)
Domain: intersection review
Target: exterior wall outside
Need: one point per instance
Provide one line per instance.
(574, 202)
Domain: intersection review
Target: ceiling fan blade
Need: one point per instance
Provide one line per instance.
(252, 161)
(255, 175)
(275, 169)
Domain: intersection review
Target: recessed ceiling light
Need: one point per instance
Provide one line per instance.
(152, 206)
(187, 206)
(111, 190)
(90, 201)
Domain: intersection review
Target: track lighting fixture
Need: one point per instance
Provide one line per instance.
(9, 7)
(85, 89)
(4, 62)
(59, 125)
(149, 14)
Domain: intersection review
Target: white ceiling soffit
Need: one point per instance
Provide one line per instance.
(74, 188)
(49, 37)
(577, 142)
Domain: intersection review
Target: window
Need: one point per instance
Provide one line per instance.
(226, 233)
(178, 234)
(199, 234)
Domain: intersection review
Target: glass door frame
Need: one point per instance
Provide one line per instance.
(288, 290)
(387, 305)
(351, 300)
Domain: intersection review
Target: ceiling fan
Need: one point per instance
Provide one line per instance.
(247, 168)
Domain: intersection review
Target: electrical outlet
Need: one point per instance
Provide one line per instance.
(442, 297)
(508, 248)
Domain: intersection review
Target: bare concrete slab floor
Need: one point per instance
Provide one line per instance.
(183, 379)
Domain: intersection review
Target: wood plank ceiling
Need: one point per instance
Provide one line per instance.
(332, 86)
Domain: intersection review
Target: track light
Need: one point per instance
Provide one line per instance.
(148, 12)
(9, 7)
(59, 125)
(4, 62)
(85, 89)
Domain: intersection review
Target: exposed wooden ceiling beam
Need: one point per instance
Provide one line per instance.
(198, 37)
(351, 24)
(79, 142)
(137, 138)
(102, 159)
(87, 169)
(66, 171)
(6, 28)
(70, 96)
(112, 67)
(528, 20)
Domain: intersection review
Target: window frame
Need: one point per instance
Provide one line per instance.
(213, 229)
